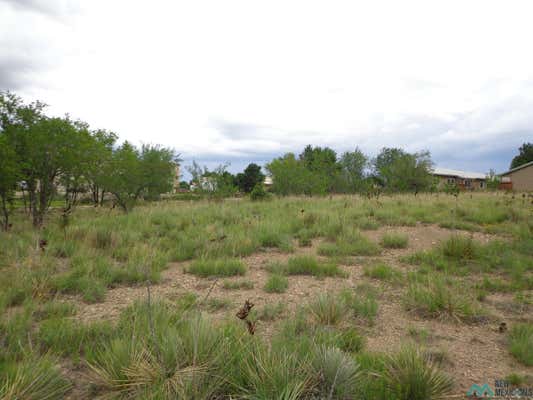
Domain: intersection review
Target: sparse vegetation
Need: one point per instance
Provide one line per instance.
(173, 349)
(521, 343)
(394, 241)
(276, 284)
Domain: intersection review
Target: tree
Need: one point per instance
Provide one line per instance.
(9, 176)
(290, 176)
(525, 155)
(353, 165)
(322, 162)
(251, 177)
(134, 174)
(401, 171)
(101, 153)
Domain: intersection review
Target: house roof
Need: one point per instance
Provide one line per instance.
(517, 168)
(458, 174)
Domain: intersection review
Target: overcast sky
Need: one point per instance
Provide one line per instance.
(244, 81)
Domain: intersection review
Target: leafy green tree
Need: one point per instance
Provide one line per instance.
(401, 171)
(9, 177)
(134, 174)
(290, 176)
(524, 156)
(322, 162)
(101, 154)
(352, 176)
(247, 180)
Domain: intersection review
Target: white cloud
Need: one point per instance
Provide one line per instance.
(249, 79)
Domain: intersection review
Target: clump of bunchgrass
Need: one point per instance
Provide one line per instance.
(328, 309)
(521, 343)
(383, 272)
(434, 298)
(459, 247)
(220, 267)
(276, 284)
(34, 378)
(412, 375)
(361, 302)
(394, 240)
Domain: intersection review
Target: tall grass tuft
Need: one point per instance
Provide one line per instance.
(394, 240)
(276, 284)
(410, 375)
(32, 379)
(521, 343)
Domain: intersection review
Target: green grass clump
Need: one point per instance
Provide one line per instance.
(349, 245)
(361, 302)
(68, 337)
(34, 378)
(328, 309)
(276, 284)
(383, 272)
(410, 375)
(434, 298)
(521, 343)
(221, 267)
(236, 285)
(306, 265)
(460, 248)
(394, 240)
(269, 312)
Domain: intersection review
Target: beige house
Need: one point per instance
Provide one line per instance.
(519, 178)
(462, 179)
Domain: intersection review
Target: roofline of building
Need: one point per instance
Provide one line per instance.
(517, 168)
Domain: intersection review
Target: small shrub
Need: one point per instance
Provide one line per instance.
(258, 193)
(521, 343)
(276, 284)
(410, 375)
(394, 240)
(222, 267)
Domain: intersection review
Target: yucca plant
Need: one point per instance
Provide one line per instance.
(338, 374)
(34, 379)
(412, 375)
(274, 373)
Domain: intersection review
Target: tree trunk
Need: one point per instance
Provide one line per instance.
(5, 222)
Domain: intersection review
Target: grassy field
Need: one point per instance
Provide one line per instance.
(400, 297)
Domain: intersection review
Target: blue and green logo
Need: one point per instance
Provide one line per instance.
(480, 391)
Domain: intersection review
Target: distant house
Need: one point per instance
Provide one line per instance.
(268, 181)
(462, 179)
(519, 178)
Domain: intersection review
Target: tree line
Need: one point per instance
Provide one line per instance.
(39, 153)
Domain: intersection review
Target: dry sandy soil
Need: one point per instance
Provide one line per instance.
(473, 353)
